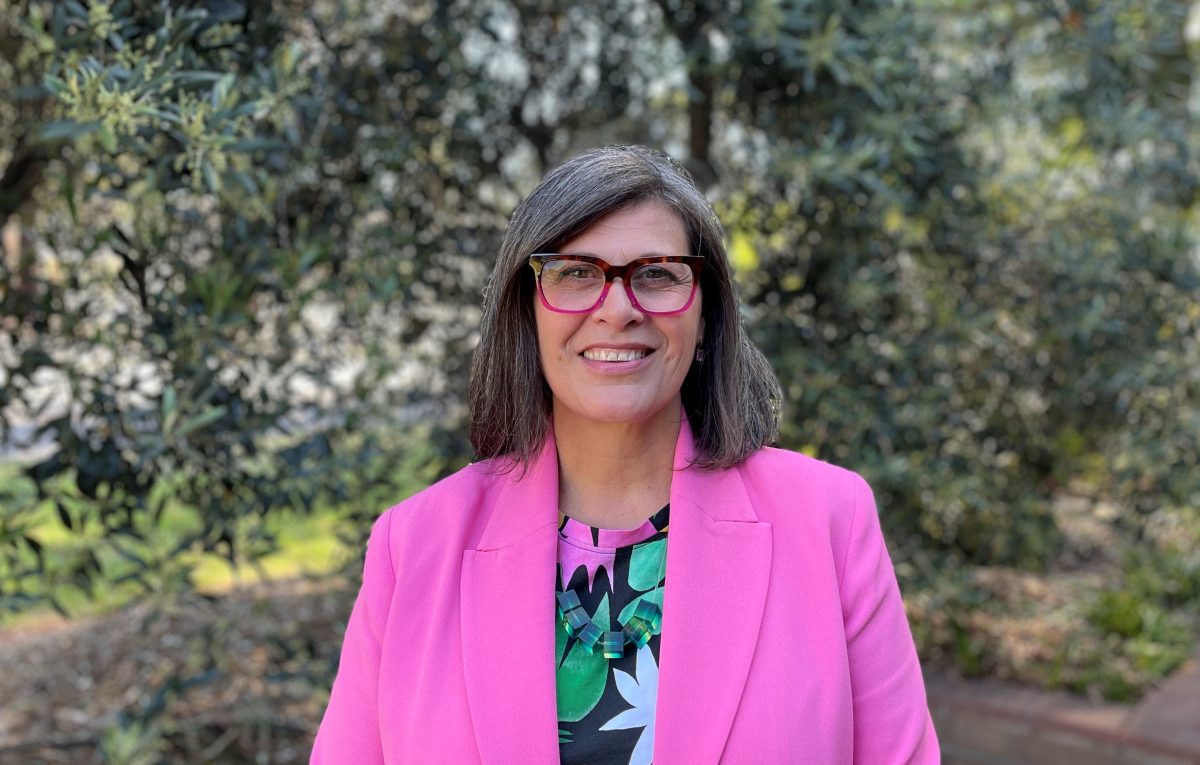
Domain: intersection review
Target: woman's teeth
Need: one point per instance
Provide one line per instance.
(609, 354)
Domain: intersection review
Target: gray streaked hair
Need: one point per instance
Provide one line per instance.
(732, 399)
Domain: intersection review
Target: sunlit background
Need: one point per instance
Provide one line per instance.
(241, 264)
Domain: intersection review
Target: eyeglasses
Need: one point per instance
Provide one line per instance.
(659, 284)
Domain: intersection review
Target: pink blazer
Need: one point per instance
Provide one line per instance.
(777, 566)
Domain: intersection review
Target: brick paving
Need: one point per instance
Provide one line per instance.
(987, 722)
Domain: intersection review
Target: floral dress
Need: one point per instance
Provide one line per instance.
(606, 706)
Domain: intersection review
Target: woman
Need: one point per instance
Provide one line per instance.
(630, 574)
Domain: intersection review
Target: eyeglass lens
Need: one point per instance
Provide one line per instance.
(573, 285)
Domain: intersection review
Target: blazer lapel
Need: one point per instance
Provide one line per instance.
(718, 566)
(507, 616)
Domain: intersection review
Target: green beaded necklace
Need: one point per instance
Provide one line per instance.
(645, 620)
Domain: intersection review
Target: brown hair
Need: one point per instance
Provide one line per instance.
(731, 399)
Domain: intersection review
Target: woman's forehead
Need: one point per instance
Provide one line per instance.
(638, 230)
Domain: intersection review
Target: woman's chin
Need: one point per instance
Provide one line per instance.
(618, 411)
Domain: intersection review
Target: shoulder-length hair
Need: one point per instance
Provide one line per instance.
(731, 398)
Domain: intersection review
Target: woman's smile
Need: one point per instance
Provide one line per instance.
(613, 360)
(616, 354)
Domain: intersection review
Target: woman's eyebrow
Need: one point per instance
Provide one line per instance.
(586, 254)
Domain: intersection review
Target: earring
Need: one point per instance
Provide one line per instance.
(699, 355)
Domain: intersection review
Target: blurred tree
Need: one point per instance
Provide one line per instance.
(167, 327)
(251, 238)
(1083, 125)
(278, 191)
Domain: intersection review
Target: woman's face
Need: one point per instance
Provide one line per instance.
(617, 364)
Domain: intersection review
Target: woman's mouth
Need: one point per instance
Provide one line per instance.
(615, 354)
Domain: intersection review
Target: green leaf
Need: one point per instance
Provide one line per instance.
(199, 77)
(221, 91)
(159, 114)
(287, 58)
(207, 417)
(211, 179)
(583, 674)
(169, 415)
(73, 6)
(258, 143)
(36, 546)
(66, 130)
(646, 565)
(63, 515)
(68, 193)
(108, 139)
(246, 182)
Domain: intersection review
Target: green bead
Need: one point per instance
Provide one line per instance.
(636, 631)
(612, 645)
(649, 612)
(576, 620)
(589, 636)
(566, 601)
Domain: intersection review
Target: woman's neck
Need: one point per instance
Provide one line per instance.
(615, 475)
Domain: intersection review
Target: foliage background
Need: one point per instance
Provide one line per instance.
(244, 243)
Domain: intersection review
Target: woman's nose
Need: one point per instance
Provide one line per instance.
(617, 307)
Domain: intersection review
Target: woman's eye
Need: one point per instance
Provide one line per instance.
(577, 272)
(656, 274)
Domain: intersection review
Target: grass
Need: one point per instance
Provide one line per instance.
(308, 545)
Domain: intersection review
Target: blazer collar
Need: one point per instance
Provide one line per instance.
(526, 500)
(718, 562)
(508, 618)
(718, 566)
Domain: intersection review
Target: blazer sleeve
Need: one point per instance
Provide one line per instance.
(349, 731)
(891, 716)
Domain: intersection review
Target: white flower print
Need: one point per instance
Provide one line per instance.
(642, 694)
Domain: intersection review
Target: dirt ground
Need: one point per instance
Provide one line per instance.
(237, 679)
